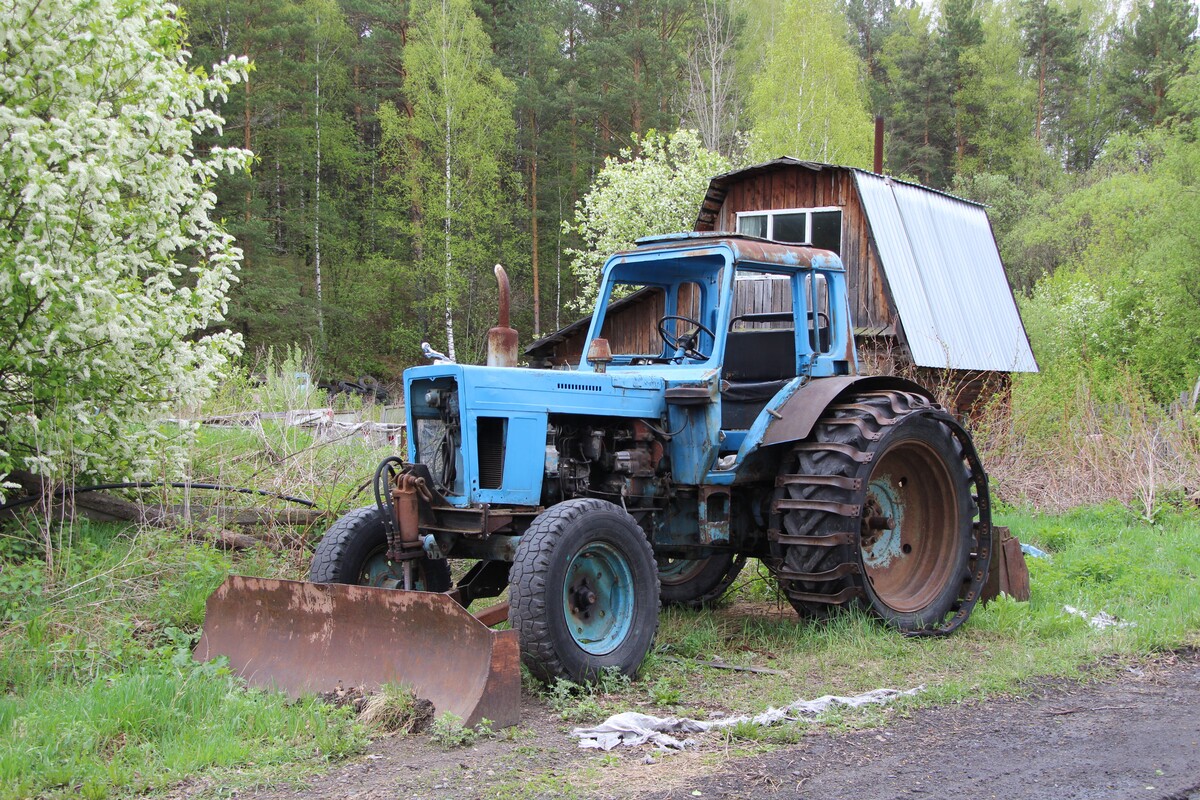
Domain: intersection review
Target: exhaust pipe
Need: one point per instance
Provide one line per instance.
(502, 340)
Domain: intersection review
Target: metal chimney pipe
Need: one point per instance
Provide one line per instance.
(502, 340)
(878, 145)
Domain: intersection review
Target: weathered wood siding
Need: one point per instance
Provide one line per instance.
(762, 296)
(634, 328)
(796, 186)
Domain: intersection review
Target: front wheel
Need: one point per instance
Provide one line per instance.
(699, 582)
(583, 592)
(354, 551)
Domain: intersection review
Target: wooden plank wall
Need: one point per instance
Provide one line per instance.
(634, 329)
(760, 296)
(794, 186)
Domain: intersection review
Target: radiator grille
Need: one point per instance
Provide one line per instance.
(491, 452)
(579, 387)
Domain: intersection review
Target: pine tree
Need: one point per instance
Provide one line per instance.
(960, 31)
(870, 23)
(920, 126)
(1053, 41)
(269, 304)
(1151, 51)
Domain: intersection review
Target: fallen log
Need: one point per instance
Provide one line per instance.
(103, 507)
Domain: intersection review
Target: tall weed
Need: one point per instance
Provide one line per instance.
(1071, 440)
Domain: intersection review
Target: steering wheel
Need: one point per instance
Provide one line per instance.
(685, 341)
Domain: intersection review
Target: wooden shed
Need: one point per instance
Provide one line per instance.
(927, 290)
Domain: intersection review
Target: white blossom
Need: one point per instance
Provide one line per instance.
(113, 276)
(658, 191)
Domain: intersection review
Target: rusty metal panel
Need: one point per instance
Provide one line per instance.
(802, 410)
(313, 637)
(944, 271)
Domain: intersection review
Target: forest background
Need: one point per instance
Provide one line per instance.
(403, 148)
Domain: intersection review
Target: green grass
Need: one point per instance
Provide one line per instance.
(101, 695)
(101, 698)
(289, 460)
(1101, 559)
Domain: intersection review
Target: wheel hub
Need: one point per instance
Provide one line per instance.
(383, 573)
(882, 521)
(583, 598)
(598, 598)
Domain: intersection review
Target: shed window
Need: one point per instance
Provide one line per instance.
(819, 227)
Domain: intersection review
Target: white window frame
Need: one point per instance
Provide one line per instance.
(771, 212)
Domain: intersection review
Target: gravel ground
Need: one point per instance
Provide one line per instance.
(1138, 737)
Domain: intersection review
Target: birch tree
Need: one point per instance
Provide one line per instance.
(456, 172)
(808, 99)
(713, 102)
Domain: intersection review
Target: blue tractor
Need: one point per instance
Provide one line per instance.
(689, 438)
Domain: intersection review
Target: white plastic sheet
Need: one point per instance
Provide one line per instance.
(631, 728)
(1100, 620)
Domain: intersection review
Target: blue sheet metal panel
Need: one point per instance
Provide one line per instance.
(941, 263)
(523, 398)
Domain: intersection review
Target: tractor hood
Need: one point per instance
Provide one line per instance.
(482, 430)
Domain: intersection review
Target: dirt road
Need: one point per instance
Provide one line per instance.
(1135, 738)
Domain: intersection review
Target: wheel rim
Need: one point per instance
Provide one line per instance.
(377, 571)
(910, 538)
(674, 571)
(598, 598)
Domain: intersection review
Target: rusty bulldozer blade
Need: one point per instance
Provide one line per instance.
(314, 637)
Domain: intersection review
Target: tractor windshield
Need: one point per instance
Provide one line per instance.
(670, 319)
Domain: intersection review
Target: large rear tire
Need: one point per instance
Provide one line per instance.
(583, 591)
(878, 508)
(354, 551)
(697, 583)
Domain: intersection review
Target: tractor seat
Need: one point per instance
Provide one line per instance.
(758, 363)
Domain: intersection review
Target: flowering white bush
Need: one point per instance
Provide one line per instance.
(113, 278)
(659, 191)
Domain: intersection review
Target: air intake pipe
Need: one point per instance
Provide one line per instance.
(502, 340)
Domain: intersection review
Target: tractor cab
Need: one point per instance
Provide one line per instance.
(754, 308)
(728, 321)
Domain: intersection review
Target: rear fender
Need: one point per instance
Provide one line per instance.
(798, 414)
(792, 417)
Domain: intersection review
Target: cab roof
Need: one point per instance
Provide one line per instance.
(744, 247)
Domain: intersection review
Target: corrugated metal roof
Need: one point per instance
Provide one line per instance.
(944, 272)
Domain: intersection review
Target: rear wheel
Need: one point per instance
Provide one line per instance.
(354, 551)
(584, 592)
(695, 583)
(878, 508)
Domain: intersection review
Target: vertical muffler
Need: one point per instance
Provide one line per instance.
(502, 340)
